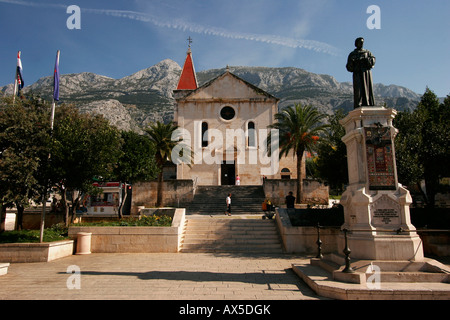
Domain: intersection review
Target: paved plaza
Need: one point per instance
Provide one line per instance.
(159, 276)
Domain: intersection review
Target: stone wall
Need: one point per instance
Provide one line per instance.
(135, 239)
(35, 252)
(176, 193)
(303, 239)
(313, 191)
(32, 219)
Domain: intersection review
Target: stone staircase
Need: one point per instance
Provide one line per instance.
(210, 200)
(205, 234)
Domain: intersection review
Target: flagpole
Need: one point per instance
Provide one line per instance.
(52, 119)
(52, 116)
(15, 82)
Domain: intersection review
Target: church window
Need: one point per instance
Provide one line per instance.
(285, 174)
(251, 142)
(227, 113)
(204, 134)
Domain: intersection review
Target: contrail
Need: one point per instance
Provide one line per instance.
(220, 32)
(33, 4)
(180, 24)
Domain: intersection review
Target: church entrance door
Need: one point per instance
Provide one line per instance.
(228, 173)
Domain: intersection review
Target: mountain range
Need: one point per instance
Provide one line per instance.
(132, 102)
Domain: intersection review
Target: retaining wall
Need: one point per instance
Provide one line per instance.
(135, 239)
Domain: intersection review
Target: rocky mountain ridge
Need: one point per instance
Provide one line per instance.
(136, 100)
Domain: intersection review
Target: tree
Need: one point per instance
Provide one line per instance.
(24, 141)
(331, 163)
(84, 146)
(422, 144)
(299, 128)
(137, 161)
(164, 138)
(407, 146)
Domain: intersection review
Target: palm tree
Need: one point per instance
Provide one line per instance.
(299, 128)
(161, 138)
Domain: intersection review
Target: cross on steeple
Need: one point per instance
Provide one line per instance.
(188, 78)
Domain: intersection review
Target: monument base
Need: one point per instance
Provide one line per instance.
(379, 226)
(376, 279)
(376, 206)
(428, 270)
(385, 247)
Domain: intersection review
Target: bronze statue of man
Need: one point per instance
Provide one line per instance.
(360, 61)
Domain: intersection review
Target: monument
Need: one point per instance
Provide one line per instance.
(376, 205)
(381, 246)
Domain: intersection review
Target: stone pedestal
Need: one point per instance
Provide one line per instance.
(376, 206)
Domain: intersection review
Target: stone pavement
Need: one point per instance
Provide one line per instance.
(159, 276)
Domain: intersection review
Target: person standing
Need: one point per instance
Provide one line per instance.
(290, 200)
(228, 201)
(238, 180)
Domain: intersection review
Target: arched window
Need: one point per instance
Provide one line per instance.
(251, 132)
(285, 174)
(204, 134)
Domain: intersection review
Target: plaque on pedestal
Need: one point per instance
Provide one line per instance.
(380, 158)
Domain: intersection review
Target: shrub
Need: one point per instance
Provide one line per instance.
(56, 232)
(144, 221)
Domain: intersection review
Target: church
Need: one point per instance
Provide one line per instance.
(226, 123)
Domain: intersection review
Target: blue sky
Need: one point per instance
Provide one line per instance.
(118, 38)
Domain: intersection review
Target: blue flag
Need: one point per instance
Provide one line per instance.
(56, 79)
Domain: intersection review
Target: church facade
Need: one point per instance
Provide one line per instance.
(225, 121)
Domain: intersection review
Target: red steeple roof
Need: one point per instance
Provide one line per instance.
(188, 79)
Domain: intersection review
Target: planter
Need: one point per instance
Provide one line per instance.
(135, 239)
(35, 252)
(84, 243)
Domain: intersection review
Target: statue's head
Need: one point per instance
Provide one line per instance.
(359, 42)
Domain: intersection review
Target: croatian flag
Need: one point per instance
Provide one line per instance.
(19, 77)
(56, 79)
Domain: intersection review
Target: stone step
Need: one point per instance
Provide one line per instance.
(255, 223)
(260, 241)
(230, 235)
(231, 249)
(387, 271)
(221, 237)
(211, 200)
